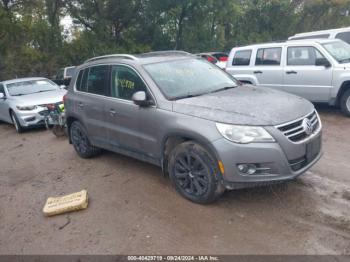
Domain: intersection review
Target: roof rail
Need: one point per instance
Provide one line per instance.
(174, 52)
(124, 56)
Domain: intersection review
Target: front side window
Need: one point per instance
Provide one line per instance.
(268, 56)
(339, 50)
(125, 82)
(98, 80)
(303, 56)
(242, 58)
(189, 77)
(31, 87)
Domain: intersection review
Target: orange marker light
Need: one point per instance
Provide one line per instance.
(221, 167)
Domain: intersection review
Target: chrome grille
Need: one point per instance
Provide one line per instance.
(296, 132)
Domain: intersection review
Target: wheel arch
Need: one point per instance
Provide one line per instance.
(171, 140)
(343, 88)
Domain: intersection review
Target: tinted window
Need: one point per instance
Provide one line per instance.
(78, 85)
(311, 37)
(345, 36)
(60, 74)
(98, 80)
(268, 56)
(125, 82)
(2, 89)
(242, 58)
(303, 56)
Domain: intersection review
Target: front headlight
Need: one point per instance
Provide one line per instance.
(26, 108)
(244, 134)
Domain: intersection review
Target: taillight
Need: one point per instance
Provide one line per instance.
(223, 59)
(210, 59)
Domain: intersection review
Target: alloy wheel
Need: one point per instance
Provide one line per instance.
(79, 139)
(191, 174)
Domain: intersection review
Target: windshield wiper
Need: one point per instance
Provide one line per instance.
(41, 91)
(344, 60)
(222, 89)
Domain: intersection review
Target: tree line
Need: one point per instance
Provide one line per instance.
(33, 42)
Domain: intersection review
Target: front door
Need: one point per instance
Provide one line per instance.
(303, 77)
(126, 120)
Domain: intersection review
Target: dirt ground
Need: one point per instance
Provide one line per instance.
(134, 210)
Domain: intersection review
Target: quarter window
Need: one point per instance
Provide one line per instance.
(242, 58)
(303, 56)
(125, 82)
(78, 84)
(98, 80)
(268, 56)
(345, 36)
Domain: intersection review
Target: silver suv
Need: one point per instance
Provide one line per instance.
(186, 115)
(318, 70)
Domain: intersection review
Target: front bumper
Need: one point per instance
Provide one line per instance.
(32, 118)
(280, 162)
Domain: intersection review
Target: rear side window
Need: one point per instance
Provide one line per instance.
(303, 56)
(98, 80)
(242, 58)
(2, 90)
(269, 56)
(345, 36)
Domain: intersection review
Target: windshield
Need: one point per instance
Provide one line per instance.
(189, 77)
(339, 50)
(31, 87)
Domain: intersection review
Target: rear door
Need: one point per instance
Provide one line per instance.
(92, 89)
(303, 77)
(268, 69)
(126, 121)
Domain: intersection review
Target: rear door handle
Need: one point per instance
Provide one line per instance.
(112, 112)
(80, 104)
(291, 72)
(258, 72)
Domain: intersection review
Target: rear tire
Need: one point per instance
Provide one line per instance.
(194, 173)
(81, 141)
(16, 123)
(345, 103)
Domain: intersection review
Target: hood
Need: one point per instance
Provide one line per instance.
(246, 105)
(49, 97)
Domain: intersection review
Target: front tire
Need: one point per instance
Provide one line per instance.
(16, 123)
(345, 103)
(81, 141)
(194, 173)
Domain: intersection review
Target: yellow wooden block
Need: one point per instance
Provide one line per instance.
(64, 204)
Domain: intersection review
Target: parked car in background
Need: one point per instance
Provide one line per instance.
(317, 70)
(64, 76)
(340, 33)
(24, 101)
(188, 116)
(217, 58)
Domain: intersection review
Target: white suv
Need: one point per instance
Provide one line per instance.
(318, 70)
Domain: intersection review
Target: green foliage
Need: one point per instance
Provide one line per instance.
(32, 41)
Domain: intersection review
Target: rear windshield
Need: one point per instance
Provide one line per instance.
(188, 77)
(31, 87)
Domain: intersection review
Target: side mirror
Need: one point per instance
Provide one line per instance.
(2, 96)
(140, 99)
(323, 62)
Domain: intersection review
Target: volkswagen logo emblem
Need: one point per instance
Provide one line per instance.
(307, 126)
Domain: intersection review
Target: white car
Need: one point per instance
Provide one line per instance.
(23, 102)
(340, 33)
(318, 70)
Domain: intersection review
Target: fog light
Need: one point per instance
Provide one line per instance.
(248, 169)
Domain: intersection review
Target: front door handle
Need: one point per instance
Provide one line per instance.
(291, 72)
(80, 104)
(112, 112)
(258, 72)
